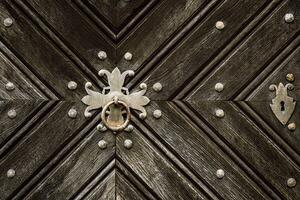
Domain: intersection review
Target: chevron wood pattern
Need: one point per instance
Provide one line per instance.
(176, 43)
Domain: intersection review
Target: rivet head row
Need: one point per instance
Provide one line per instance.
(157, 114)
(220, 25)
(128, 56)
(289, 17)
(291, 182)
(220, 173)
(72, 85)
(10, 173)
(292, 126)
(290, 77)
(9, 86)
(219, 87)
(102, 55)
(12, 113)
(157, 87)
(101, 127)
(220, 113)
(129, 128)
(128, 144)
(8, 22)
(143, 86)
(102, 144)
(72, 113)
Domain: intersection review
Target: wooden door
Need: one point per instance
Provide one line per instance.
(210, 132)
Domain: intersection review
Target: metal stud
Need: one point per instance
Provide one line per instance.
(102, 55)
(143, 86)
(72, 85)
(8, 22)
(220, 113)
(129, 128)
(128, 144)
(142, 116)
(220, 25)
(128, 56)
(291, 182)
(10, 173)
(290, 77)
(72, 113)
(9, 86)
(292, 126)
(102, 144)
(157, 87)
(12, 113)
(219, 87)
(220, 173)
(289, 17)
(101, 127)
(157, 114)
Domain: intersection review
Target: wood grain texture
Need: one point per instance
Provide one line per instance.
(250, 58)
(252, 145)
(200, 46)
(195, 149)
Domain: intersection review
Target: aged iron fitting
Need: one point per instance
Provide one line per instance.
(115, 100)
(282, 105)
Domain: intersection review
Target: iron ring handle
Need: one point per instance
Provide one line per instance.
(120, 127)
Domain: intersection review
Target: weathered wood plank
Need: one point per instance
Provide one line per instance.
(195, 149)
(71, 174)
(202, 45)
(252, 145)
(125, 189)
(24, 89)
(250, 58)
(76, 31)
(24, 111)
(40, 146)
(105, 190)
(155, 30)
(154, 169)
(40, 55)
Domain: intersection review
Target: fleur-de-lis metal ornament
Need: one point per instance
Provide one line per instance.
(282, 105)
(115, 100)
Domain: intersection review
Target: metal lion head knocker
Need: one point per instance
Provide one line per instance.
(282, 105)
(115, 100)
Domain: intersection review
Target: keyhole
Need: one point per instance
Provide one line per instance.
(282, 106)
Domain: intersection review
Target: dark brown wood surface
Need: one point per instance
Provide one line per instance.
(175, 43)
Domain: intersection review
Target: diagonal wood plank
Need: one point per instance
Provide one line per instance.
(251, 144)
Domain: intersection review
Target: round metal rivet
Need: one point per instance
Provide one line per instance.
(157, 87)
(220, 25)
(102, 55)
(289, 17)
(12, 113)
(101, 127)
(143, 86)
(8, 22)
(290, 77)
(102, 144)
(220, 113)
(128, 56)
(128, 144)
(10, 173)
(142, 116)
(72, 113)
(220, 173)
(72, 85)
(219, 87)
(291, 182)
(292, 126)
(157, 114)
(9, 86)
(129, 128)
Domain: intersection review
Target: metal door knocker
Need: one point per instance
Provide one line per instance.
(282, 105)
(115, 100)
